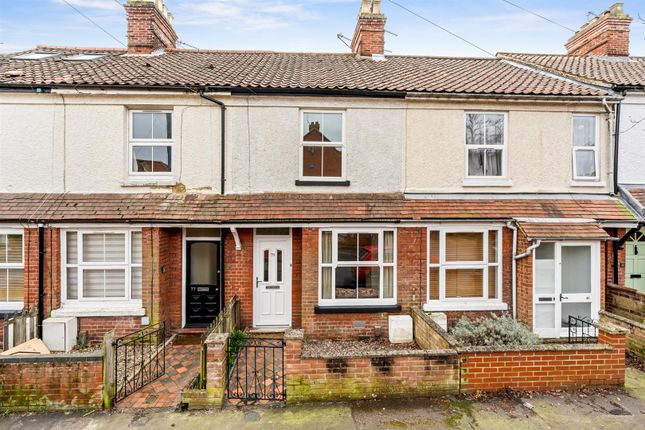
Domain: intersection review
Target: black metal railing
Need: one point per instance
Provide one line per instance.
(256, 370)
(140, 358)
(582, 330)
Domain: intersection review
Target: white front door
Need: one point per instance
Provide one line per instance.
(566, 283)
(272, 289)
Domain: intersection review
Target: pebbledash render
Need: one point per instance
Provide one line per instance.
(326, 190)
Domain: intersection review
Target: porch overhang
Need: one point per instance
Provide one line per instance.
(563, 230)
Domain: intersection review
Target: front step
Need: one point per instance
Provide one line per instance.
(189, 330)
(267, 332)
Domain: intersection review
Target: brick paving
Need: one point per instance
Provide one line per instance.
(182, 365)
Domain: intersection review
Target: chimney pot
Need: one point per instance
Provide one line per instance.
(369, 35)
(149, 26)
(606, 34)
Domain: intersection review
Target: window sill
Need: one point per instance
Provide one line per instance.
(9, 307)
(464, 306)
(356, 309)
(590, 183)
(307, 183)
(149, 182)
(99, 311)
(472, 182)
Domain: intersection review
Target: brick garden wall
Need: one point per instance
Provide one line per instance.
(545, 367)
(626, 302)
(58, 382)
(635, 341)
(319, 379)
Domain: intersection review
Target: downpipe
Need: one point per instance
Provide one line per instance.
(514, 268)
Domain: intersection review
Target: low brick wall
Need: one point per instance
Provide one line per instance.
(635, 340)
(625, 302)
(428, 334)
(51, 382)
(396, 374)
(213, 395)
(547, 366)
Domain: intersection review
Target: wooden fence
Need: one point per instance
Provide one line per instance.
(19, 328)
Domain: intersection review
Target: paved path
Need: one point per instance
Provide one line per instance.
(182, 365)
(599, 410)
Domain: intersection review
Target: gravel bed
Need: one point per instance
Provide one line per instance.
(355, 348)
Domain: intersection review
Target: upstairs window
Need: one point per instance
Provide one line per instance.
(11, 270)
(485, 145)
(102, 266)
(585, 147)
(322, 146)
(150, 143)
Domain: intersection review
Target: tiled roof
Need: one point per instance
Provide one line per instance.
(562, 230)
(286, 71)
(202, 208)
(601, 70)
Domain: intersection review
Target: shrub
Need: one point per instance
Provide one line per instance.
(493, 331)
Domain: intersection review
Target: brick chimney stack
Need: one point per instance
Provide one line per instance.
(149, 26)
(606, 34)
(369, 35)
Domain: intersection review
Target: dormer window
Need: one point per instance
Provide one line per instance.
(322, 146)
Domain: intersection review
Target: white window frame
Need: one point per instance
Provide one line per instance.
(462, 303)
(503, 147)
(14, 306)
(596, 152)
(333, 302)
(132, 142)
(342, 144)
(127, 265)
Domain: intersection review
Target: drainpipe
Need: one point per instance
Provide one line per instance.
(529, 250)
(41, 281)
(613, 136)
(514, 265)
(616, 143)
(223, 138)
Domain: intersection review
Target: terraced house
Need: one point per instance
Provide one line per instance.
(327, 191)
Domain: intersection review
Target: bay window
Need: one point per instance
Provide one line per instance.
(101, 266)
(11, 270)
(464, 268)
(585, 147)
(357, 267)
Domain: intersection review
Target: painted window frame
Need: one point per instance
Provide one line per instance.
(127, 265)
(349, 303)
(461, 303)
(595, 148)
(485, 179)
(132, 142)
(342, 144)
(6, 305)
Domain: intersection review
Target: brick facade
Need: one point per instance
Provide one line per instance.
(53, 383)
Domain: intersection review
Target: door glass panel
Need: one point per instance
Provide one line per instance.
(265, 265)
(279, 265)
(545, 269)
(545, 315)
(578, 310)
(576, 270)
(203, 263)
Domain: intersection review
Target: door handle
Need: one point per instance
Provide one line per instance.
(563, 297)
(257, 282)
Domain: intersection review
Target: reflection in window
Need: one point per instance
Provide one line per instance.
(485, 144)
(322, 144)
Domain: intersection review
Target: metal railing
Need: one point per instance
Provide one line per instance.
(256, 370)
(582, 330)
(140, 358)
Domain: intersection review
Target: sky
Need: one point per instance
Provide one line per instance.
(313, 25)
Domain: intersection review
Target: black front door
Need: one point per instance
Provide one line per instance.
(203, 290)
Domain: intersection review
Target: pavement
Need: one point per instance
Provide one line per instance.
(622, 409)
